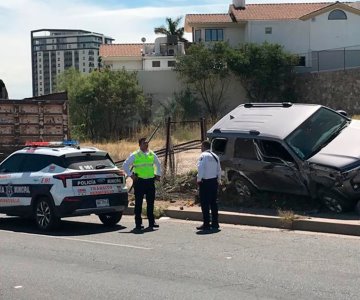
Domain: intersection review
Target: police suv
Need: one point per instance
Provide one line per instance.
(50, 180)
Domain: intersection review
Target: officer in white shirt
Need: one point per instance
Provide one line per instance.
(208, 178)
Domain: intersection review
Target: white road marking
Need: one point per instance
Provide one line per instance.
(18, 287)
(84, 241)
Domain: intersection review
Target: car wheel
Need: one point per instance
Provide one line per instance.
(334, 202)
(243, 188)
(110, 219)
(357, 207)
(45, 217)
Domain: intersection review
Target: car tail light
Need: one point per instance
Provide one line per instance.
(63, 177)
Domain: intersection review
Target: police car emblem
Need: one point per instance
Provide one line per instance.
(9, 190)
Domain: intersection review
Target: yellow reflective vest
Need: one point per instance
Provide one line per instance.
(144, 164)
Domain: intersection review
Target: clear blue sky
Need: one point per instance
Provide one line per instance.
(127, 21)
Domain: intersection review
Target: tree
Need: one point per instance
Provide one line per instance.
(172, 28)
(102, 104)
(183, 106)
(266, 71)
(205, 70)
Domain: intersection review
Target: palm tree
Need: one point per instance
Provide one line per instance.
(172, 28)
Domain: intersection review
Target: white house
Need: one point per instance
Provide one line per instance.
(156, 56)
(302, 28)
(153, 62)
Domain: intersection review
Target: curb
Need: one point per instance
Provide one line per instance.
(310, 224)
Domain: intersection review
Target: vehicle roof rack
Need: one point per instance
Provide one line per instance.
(282, 104)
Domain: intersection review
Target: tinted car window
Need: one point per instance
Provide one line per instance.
(275, 149)
(219, 146)
(12, 164)
(316, 132)
(245, 148)
(88, 162)
(37, 162)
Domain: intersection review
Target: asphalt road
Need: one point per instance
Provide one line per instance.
(84, 260)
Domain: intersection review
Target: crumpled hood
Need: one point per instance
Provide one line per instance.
(343, 152)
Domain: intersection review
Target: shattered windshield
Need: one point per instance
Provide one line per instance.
(316, 132)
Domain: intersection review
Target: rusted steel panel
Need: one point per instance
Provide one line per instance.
(32, 120)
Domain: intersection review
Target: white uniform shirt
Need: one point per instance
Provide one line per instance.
(208, 167)
(130, 161)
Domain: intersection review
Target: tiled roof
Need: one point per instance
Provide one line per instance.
(208, 18)
(205, 19)
(276, 11)
(122, 50)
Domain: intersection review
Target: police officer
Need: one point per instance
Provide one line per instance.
(208, 178)
(146, 169)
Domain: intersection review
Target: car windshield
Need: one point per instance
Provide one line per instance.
(316, 132)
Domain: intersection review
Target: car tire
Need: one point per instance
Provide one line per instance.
(110, 219)
(45, 217)
(243, 188)
(334, 202)
(357, 208)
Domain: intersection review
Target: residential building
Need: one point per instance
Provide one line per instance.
(153, 62)
(158, 56)
(54, 50)
(307, 29)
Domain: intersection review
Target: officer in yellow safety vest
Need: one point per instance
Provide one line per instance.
(145, 170)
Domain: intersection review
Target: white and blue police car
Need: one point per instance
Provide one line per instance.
(51, 180)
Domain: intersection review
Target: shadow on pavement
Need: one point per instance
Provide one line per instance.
(209, 231)
(140, 231)
(66, 228)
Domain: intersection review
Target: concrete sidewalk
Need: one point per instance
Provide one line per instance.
(348, 225)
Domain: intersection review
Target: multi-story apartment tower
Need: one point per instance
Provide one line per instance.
(54, 50)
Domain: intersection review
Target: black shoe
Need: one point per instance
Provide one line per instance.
(215, 226)
(139, 227)
(203, 227)
(154, 225)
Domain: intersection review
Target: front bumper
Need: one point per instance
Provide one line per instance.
(86, 205)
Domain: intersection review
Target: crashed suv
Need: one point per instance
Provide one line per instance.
(300, 149)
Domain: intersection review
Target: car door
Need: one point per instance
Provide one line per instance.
(247, 161)
(11, 187)
(280, 170)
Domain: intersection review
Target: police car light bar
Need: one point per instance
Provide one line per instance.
(53, 144)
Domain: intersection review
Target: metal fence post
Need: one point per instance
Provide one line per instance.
(167, 147)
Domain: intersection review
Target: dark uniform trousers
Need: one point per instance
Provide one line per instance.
(208, 195)
(144, 187)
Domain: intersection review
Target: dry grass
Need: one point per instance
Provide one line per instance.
(123, 148)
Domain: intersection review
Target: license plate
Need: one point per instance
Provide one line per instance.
(102, 202)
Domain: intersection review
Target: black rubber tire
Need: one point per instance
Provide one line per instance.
(335, 202)
(243, 188)
(357, 208)
(110, 219)
(44, 214)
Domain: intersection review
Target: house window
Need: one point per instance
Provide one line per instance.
(268, 30)
(214, 35)
(156, 64)
(197, 35)
(337, 14)
(171, 63)
(302, 61)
